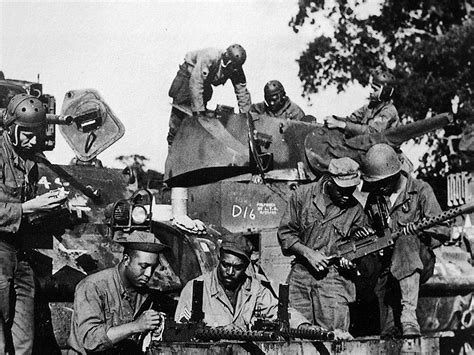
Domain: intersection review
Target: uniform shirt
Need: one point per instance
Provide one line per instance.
(369, 119)
(415, 202)
(100, 303)
(289, 111)
(18, 178)
(253, 299)
(312, 219)
(205, 70)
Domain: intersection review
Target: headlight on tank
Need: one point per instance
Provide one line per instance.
(139, 214)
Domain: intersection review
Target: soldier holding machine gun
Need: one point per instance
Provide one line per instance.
(232, 297)
(318, 215)
(396, 200)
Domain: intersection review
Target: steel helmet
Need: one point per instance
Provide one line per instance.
(25, 111)
(273, 87)
(236, 54)
(380, 162)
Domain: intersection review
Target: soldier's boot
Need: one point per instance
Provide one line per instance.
(409, 287)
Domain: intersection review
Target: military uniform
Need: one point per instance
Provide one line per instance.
(412, 259)
(192, 86)
(18, 178)
(372, 118)
(289, 111)
(253, 299)
(312, 219)
(101, 302)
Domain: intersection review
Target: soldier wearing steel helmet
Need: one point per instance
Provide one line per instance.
(24, 124)
(396, 200)
(378, 115)
(202, 69)
(277, 104)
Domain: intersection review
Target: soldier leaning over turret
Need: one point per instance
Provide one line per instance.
(277, 104)
(378, 115)
(202, 69)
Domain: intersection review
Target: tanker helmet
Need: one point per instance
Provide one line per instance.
(273, 87)
(380, 162)
(275, 96)
(235, 54)
(383, 84)
(25, 111)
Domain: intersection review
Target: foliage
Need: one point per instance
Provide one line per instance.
(136, 167)
(427, 44)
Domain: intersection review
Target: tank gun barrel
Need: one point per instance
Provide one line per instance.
(59, 119)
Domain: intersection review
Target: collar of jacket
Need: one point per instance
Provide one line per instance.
(216, 288)
(407, 193)
(18, 162)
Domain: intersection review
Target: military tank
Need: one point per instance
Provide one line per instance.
(75, 240)
(238, 171)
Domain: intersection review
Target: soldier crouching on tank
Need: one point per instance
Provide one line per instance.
(378, 115)
(396, 200)
(317, 216)
(277, 104)
(24, 124)
(106, 303)
(202, 69)
(233, 297)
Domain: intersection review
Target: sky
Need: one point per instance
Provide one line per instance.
(130, 51)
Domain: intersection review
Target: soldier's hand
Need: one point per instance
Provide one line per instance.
(362, 233)
(317, 259)
(409, 229)
(346, 264)
(148, 320)
(45, 202)
(332, 122)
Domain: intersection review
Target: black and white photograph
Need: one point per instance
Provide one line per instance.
(236, 177)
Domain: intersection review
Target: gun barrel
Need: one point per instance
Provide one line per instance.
(59, 119)
(310, 334)
(212, 334)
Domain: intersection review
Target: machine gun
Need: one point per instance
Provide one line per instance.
(281, 327)
(355, 249)
(196, 330)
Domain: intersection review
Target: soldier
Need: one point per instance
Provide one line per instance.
(232, 295)
(24, 124)
(202, 69)
(106, 303)
(277, 104)
(380, 114)
(397, 200)
(317, 216)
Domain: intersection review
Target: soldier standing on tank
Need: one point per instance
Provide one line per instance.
(317, 216)
(396, 200)
(202, 69)
(277, 104)
(378, 115)
(24, 124)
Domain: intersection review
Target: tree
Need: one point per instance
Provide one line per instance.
(427, 44)
(136, 167)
